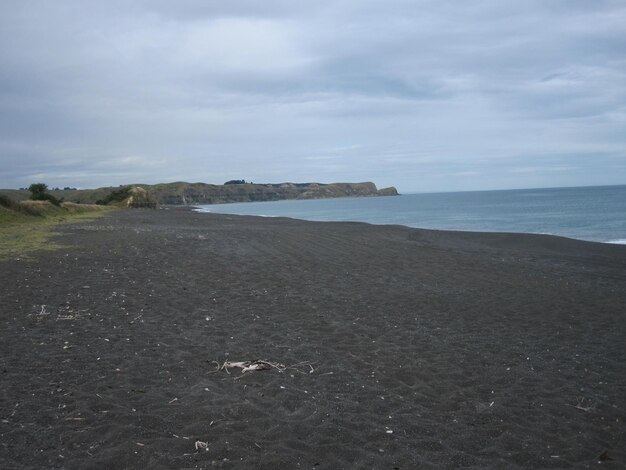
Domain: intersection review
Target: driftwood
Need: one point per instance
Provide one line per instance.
(248, 366)
(200, 445)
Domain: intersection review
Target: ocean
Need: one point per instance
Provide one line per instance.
(586, 213)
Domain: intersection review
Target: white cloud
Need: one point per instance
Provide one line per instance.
(401, 92)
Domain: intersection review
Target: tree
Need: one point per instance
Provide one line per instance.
(38, 192)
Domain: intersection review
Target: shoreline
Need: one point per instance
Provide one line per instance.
(198, 209)
(401, 347)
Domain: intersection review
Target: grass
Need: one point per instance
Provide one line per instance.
(27, 226)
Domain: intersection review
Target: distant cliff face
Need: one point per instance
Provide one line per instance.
(181, 193)
(200, 193)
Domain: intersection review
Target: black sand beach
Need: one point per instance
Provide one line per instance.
(402, 348)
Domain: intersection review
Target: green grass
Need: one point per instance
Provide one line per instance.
(27, 226)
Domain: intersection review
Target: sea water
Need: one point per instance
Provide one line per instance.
(588, 213)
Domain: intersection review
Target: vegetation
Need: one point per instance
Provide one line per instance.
(116, 195)
(27, 226)
(39, 192)
(236, 182)
(14, 209)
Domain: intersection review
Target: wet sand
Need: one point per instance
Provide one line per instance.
(402, 348)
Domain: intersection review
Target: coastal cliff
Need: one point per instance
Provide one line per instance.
(200, 193)
(182, 193)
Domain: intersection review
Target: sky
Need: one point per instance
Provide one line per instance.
(424, 95)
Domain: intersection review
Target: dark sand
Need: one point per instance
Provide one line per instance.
(429, 349)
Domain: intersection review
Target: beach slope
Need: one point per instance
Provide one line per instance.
(391, 347)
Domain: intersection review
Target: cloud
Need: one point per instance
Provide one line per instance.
(426, 95)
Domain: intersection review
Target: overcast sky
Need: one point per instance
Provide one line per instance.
(424, 95)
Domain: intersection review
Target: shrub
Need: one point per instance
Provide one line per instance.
(38, 193)
(9, 203)
(117, 195)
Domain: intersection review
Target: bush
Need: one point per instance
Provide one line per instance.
(9, 203)
(117, 195)
(38, 193)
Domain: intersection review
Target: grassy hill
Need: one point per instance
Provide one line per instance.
(26, 226)
(182, 193)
